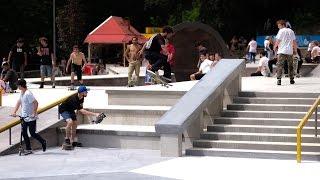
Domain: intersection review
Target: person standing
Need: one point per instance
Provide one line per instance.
(156, 53)
(18, 57)
(267, 48)
(76, 60)
(47, 61)
(286, 46)
(29, 107)
(132, 55)
(252, 49)
(67, 111)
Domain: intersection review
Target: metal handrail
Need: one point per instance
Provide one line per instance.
(313, 108)
(17, 121)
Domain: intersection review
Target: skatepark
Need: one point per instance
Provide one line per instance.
(126, 145)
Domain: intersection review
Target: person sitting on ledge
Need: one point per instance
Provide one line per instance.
(263, 69)
(205, 67)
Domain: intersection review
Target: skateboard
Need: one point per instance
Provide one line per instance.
(156, 79)
(67, 147)
(99, 118)
(72, 88)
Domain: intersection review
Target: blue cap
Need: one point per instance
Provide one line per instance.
(82, 89)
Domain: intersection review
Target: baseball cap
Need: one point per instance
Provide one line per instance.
(82, 89)
(4, 63)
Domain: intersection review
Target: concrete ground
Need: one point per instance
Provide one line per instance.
(95, 163)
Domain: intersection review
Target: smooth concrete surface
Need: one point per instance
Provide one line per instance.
(95, 163)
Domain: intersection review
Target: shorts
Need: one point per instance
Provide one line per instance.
(78, 70)
(68, 115)
(199, 76)
(46, 71)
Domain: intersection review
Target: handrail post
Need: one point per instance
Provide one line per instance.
(10, 136)
(298, 145)
(316, 121)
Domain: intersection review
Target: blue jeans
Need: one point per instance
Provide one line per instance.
(252, 57)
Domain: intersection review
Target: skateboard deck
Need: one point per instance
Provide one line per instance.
(156, 79)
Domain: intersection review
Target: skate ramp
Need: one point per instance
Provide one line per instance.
(185, 38)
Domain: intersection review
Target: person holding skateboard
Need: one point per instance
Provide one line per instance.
(29, 106)
(67, 111)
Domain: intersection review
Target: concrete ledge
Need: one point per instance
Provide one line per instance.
(129, 96)
(116, 136)
(130, 115)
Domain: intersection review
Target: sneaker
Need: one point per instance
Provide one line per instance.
(292, 81)
(41, 85)
(279, 82)
(67, 141)
(298, 75)
(76, 144)
(27, 152)
(286, 75)
(44, 146)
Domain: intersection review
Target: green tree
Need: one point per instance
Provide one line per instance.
(70, 24)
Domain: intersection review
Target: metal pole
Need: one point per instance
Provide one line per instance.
(10, 136)
(316, 121)
(54, 28)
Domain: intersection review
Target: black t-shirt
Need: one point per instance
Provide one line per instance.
(45, 58)
(71, 104)
(157, 41)
(10, 76)
(18, 54)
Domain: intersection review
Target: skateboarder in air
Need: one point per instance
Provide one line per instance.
(67, 111)
(156, 53)
(76, 58)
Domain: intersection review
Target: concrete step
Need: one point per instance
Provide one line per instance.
(256, 145)
(130, 115)
(273, 100)
(278, 94)
(265, 114)
(261, 121)
(269, 107)
(258, 129)
(270, 137)
(143, 97)
(116, 136)
(245, 153)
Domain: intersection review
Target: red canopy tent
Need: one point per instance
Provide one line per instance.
(114, 30)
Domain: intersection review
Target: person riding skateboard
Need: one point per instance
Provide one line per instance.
(67, 111)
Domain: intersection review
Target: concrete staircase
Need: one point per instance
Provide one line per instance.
(260, 125)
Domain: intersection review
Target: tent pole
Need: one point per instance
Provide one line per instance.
(89, 52)
(124, 51)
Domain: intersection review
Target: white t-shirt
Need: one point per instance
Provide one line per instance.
(316, 50)
(205, 66)
(27, 100)
(266, 45)
(253, 46)
(263, 63)
(286, 37)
